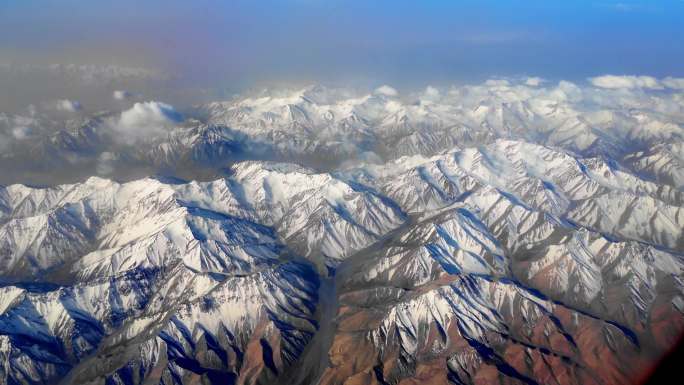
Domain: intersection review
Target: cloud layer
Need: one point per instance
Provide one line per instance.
(634, 82)
(325, 127)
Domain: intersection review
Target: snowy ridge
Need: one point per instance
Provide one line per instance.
(331, 127)
(496, 233)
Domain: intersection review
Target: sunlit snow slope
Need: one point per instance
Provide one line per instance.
(491, 234)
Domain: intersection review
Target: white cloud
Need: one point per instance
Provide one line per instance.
(21, 132)
(534, 81)
(431, 94)
(386, 91)
(565, 91)
(105, 163)
(22, 126)
(393, 106)
(121, 95)
(145, 120)
(674, 83)
(626, 82)
(67, 105)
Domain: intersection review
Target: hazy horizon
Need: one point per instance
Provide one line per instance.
(216, 48)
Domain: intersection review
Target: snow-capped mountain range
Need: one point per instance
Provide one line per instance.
(329, 128)
(499, 233)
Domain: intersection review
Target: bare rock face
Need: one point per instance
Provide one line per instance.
(520, 242)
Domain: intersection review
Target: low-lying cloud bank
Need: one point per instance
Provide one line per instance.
(340, 127)
(633, 82)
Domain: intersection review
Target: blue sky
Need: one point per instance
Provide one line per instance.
(398, 41)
